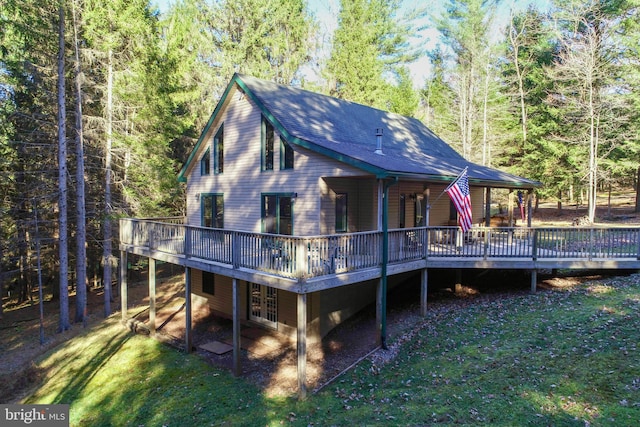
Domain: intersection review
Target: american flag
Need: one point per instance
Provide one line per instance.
(458, 191)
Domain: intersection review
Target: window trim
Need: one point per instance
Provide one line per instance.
(205, 163)
(285, 150)
(218, 151)
(266, 131)
(343, 217)
(277, 215)
(214, 204)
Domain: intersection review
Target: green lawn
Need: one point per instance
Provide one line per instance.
(567, 357)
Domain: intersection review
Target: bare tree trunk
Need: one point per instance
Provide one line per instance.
(81, 232)
(106, 254)
(515, 44)
(638, 191)
(62, 180)
(485, 122)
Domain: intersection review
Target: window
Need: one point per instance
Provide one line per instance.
(277, 214)
(267, 145)
(341, 213)
(205, 163)
(218, 150)
(286, 155)
(403, 211)
(212, 208)
(208, 283)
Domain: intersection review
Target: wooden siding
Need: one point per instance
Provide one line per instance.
(242, 182)
(338, 304)
(221, 302)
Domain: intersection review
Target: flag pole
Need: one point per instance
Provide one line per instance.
(452, 183)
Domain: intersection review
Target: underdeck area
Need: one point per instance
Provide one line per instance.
(307, 264)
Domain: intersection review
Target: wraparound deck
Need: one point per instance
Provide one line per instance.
(311, 263)
(308, 264)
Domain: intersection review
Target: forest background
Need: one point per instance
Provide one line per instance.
(101, 103)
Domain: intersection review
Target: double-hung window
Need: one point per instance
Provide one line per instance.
(212, 210)
(218, 151)
(267, 136)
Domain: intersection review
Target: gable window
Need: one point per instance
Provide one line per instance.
(267, 145)
(218, 150)
(208, 283)
(286, 155)
(205, 163)
(277, 214)
(212, 208)
(341, 213)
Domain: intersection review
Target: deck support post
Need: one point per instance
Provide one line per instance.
(152, 295)
(423, 292)
(380, 311)
(237, 369)
(302, 346)
(534, 280)
(187, 304)
(123, 285)
(458, 284)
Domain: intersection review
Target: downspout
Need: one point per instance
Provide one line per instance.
(385, 260)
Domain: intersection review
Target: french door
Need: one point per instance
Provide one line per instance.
(264, 305)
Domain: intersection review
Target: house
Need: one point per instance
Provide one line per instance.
(282, 160)
(302, 209)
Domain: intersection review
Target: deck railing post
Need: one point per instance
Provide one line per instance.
(487, 239)
(187, 241)
(235, 249)
(425, 243)
(534, 245)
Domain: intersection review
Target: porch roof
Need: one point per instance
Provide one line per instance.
(346, 131)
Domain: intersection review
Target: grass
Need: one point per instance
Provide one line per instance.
(565, 357)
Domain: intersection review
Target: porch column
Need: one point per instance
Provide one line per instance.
(237, 369)
(123, 285)
(302, 346)
(380, 202)
(187, 305)
(487, 208)
(529, 210)
(426, 193)
(423, 292)
(152, 295)
(510, 208)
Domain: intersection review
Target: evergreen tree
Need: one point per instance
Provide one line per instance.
(369, 45)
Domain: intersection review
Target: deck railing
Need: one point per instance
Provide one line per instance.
(312, 256)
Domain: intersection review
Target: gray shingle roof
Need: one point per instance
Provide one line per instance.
(347, 130)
